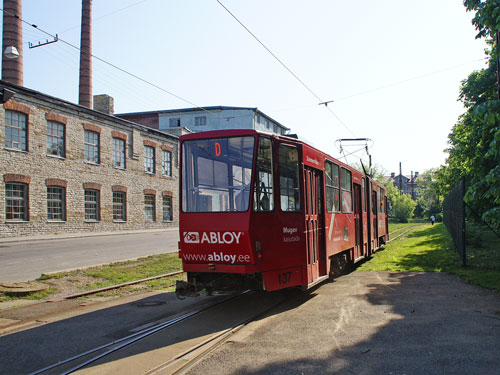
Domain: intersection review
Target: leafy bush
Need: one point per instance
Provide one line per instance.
(403, 207)
(402, 204)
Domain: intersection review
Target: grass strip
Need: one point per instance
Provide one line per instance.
(429, 248)
(66, 283)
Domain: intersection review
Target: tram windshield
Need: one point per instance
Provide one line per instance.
(217, 174)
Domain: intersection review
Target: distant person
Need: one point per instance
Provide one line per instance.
(433, 219)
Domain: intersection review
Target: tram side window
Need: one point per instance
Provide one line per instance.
(263, 199)
(346, 185)
(332, 187)
(381, 200)
(288, 161)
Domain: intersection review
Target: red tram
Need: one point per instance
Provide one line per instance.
(268, 212)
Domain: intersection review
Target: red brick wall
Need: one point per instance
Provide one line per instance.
(151, 121)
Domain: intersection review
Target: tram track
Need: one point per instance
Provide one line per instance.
(403, 233)
(189, 358)
(116, 345)
(94, 291)
(203, 330)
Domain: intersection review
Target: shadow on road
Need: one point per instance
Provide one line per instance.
(376, 323)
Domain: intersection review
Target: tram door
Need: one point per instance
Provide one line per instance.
(316, 262)
(358, 224)
(374, 220)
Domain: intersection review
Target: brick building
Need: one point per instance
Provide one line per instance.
(67, 168)
(406, 184)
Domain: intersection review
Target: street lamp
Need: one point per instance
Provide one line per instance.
(11, 52)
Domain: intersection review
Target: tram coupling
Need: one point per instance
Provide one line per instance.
(187, 289)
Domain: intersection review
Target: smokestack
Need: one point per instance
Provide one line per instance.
(12, 68)
(85, 87)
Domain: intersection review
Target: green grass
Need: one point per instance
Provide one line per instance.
(483, 247)
(122, 272)
(428, 248)
(396, 226)
(37, 296)
(110, 274)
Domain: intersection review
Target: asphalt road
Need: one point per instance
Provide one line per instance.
(27, 260)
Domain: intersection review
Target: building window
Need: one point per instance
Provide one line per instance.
(149, 207)
(167, 209)
(92, 206)
(118, 153)
(56, 139)
(174, 122)
(16, 136)
(91, 147)
(119, 204)
(16, 201)
(56, 203)
(166, 163)
(149, 159)
(200, 120)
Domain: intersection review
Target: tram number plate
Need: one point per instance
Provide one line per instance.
(284, 277)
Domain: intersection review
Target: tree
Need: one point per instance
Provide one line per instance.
(377, 172)
(402, 204)
(474, 143)
(429, 193)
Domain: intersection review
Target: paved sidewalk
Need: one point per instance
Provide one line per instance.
(370, 323)
(23, 259)
(58, 236)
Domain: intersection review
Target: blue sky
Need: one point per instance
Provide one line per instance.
(392, 67)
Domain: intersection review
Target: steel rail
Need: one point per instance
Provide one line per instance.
(402, 234)
(128, 340)
(117, 286)
(94, 291)
(212, 343)
(397, 230)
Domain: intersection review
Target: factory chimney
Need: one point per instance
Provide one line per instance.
(85, 87)
(12, 42)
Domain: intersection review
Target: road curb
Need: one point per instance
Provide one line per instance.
(64, 236)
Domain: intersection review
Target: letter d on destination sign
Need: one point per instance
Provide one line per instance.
(191, 237)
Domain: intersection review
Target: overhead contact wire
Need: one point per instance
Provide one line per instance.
(284, 65)
(113, 65)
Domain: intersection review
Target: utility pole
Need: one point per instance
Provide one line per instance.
(411, 184)
(498, 63)
(400, 179)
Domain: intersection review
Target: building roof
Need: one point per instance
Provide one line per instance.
(408, 179)
(205, 109)
(79, 108)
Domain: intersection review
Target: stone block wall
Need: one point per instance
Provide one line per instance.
(39, 170)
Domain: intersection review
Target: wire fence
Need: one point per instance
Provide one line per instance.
(454, 218)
